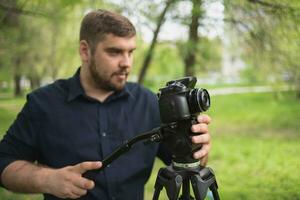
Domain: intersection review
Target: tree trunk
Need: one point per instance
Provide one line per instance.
(190, 56)
(17, 84)
(35, 82)
(297, 87)
(149, 54)
(17, 77)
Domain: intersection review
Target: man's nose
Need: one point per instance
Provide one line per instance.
(126, 61)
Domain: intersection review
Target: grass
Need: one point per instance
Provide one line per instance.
(255, 146)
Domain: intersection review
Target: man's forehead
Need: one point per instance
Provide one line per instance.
(113, 41)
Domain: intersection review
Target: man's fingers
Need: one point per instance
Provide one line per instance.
(86, 166)
(203, 118)
(204, 160)
(78, 191)
(84, 183)
(199, 128)
(200, 139)
(202, 152)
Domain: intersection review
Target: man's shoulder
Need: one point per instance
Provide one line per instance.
(46, 98)
(58, 88)
(142, 96)
(138, 90)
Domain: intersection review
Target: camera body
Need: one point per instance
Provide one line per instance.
(179, 105)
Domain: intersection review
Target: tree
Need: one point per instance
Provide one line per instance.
(190, 50)
(11, 21)
(150, 51)
(192, 43)
(33, 32)
(269, 32)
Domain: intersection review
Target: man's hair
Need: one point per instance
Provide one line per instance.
(96, 24)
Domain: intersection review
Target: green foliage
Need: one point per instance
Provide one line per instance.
(209, 54)
(166, 65)
(270, 35)
(167, 62)
(43, 39)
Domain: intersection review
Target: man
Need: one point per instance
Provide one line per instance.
(66, 128)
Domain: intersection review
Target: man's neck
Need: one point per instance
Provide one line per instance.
(90, 88)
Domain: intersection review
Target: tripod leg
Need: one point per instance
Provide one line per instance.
(186, 190)
(214, 190)
(158, 186)
(157, 192)
(202, 181)
(171, 181)
(199, 187)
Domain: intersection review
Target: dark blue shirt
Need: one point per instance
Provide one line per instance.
(60, 126)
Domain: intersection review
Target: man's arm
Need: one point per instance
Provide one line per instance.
(26, 177)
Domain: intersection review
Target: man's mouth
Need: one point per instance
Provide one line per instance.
(121, 75)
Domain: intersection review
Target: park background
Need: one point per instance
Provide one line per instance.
(245, 52)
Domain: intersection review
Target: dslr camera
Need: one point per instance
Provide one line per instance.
(179, 105)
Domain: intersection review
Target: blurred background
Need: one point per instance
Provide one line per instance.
(245, 52)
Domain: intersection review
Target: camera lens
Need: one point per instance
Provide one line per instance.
(205, 99)
(199, 100)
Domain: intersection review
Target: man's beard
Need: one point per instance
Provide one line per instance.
(102, 82)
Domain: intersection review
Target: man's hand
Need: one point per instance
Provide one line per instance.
(68, 182)
(203, 138)
(26, 177)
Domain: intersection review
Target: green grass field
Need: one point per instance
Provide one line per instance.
(255, 152)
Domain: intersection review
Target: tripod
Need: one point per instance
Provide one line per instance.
(172, 178)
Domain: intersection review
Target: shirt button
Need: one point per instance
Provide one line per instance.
(103, 134)
(108, 166)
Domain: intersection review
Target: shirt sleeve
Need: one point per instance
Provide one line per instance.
(19, 142)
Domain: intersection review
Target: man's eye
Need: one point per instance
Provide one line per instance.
(113, 52)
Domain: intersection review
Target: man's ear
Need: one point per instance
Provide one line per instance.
(84, 51)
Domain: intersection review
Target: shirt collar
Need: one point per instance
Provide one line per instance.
(125, 92)
(76, 89)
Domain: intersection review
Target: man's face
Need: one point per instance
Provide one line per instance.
(111, 62)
